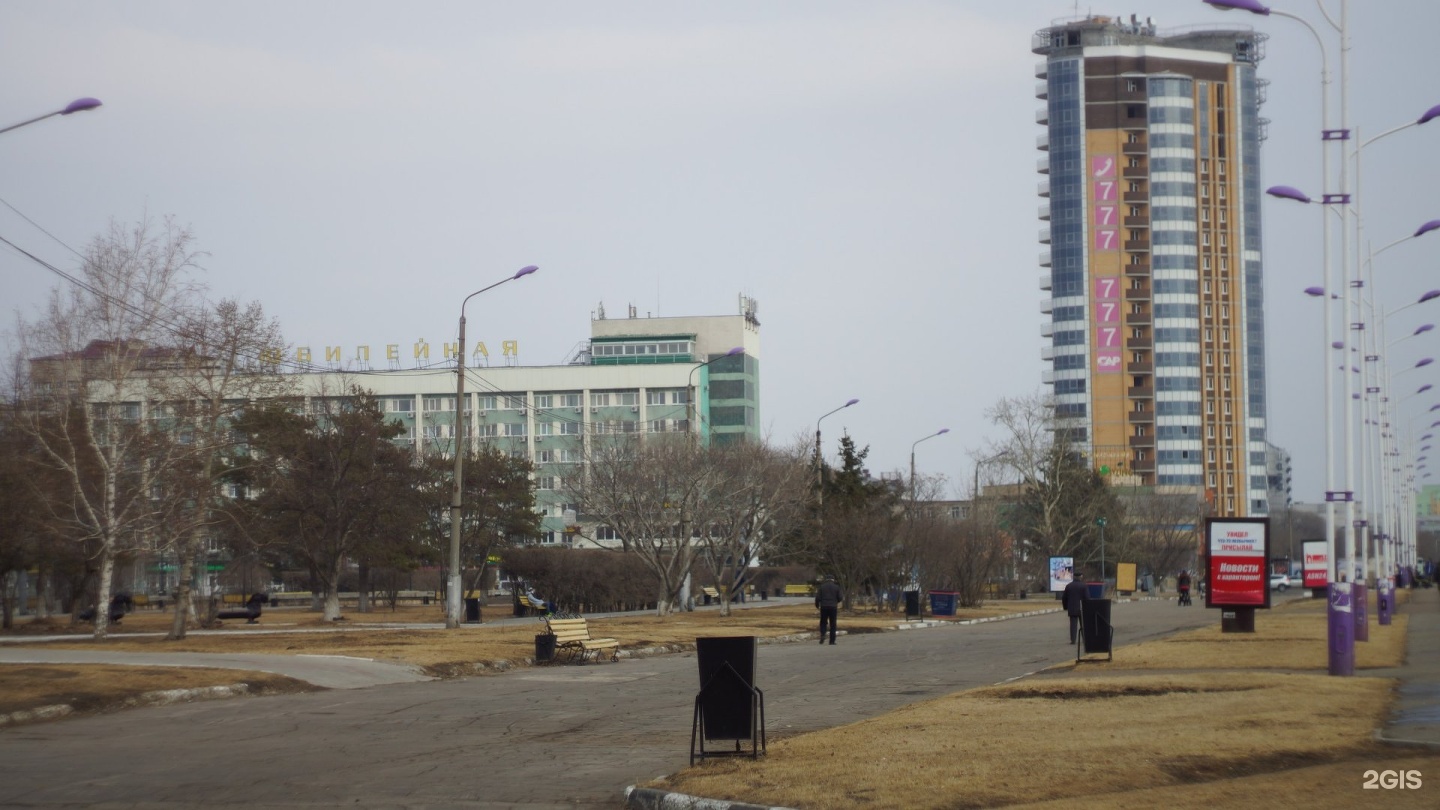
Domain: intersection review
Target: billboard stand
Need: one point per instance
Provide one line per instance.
(1237, 551)
(1237, 620)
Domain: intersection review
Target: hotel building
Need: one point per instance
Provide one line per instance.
(635, 375)
(1152, 187)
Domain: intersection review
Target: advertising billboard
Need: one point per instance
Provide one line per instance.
(1317, 563)
(1062, 570)
(1237, 549)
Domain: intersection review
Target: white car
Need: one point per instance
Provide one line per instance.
(1279, 582)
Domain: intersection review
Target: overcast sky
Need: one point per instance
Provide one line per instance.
(865, 170)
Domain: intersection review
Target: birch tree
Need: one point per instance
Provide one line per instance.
(93, 356)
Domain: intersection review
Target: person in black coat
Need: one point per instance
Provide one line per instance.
(828, 598)
(1074, 594)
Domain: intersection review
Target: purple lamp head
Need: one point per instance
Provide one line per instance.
(735, 351)
(1424, 388)
(1288, 193)
(1429, 115)
(80, 105)
(525, 271)
(1315, 292)
(1422, 329)
(1339, 344)
(1429, 296)
(1424, 361)
(851, 402)
(1429, 226)
(1252, 6)
(943, 431)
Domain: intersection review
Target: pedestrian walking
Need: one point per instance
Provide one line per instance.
(1070, 599)
(828, 598)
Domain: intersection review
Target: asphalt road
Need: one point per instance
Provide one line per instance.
(549, 737)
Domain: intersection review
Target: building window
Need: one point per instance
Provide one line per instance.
(544, 428)
(514, 428)
(487, 403)
(600, 399)
(570, 401)
(544, 401)
(627, 398)
(569, 428)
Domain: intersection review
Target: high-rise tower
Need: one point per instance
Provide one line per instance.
(1157, 343)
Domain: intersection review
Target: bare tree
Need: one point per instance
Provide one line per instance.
(217, 371)
(1163, 531)
(1063, 496)
(761, 493)
(656, 493)
(94, 356)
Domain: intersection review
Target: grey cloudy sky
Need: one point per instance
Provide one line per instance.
(866, 170)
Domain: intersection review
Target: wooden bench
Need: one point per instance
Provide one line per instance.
(711, 595)
(573, 636)
(799, 590)
(250, 612)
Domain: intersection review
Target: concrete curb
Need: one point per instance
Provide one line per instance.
(639, 798)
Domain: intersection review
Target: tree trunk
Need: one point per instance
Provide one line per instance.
(363, 586)
(102, 598)
(7, 601)
(184, 572)
(332, 592)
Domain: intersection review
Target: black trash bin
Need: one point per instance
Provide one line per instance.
(912, 605)
(472, 610)
(544, 648)
(1097, 634)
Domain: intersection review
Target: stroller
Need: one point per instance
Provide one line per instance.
(1183, 584)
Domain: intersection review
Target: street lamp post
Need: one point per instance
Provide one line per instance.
(819, 483)
(692, 393)
(819, 474)
(78, 105)
(1340, 621)
(457, 500)
(940, 432)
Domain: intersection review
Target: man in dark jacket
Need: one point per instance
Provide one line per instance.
(1073, 595)
(828, 598)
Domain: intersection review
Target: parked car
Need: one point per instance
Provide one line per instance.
(1279, 582)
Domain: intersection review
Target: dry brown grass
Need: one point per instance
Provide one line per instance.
(1238, 734)
(99, 687)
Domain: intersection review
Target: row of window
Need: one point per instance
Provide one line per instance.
(633, 349)
(545, 429)
(494, 402)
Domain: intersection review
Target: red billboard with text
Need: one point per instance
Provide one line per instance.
(1238, 549)
(1317, 563)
